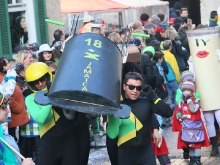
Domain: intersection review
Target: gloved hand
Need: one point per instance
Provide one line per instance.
(149, 93)
(180, 119)
(187, 98)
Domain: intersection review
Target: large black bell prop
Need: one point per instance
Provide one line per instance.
(88, 78)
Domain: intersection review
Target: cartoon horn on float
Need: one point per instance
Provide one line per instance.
(204, 47)
(88, 78)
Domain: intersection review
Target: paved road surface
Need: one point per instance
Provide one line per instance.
(100, 156)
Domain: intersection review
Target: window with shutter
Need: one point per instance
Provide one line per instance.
(5, 35)
(42, 28)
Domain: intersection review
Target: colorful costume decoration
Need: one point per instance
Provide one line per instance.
(63, 141)
(133, 134)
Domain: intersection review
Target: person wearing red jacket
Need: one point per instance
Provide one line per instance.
(19, 114)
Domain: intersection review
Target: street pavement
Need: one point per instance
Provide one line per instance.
(100, 156)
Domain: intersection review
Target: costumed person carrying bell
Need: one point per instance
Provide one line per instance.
(60, 143)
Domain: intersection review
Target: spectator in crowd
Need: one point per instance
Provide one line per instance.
(29, 140)
(24, 57)
(45, 53)
(103, 30)
(213, 20)
(155, 20)
(137, 26)
(183, 38)
(20, 70)
(18, 111)
(150, 29)
(52, 67)
(186, 20)
(19, 36)
(12, 62)
(124, 35)
(6, 154)
(114, 37)
(146, 67)
(144, 19)
(178, 22)
(163, 24)
(156, 45)
(87, 28)
(87, 19)
(173, 76)
(184, 12)
(177, 51)
(160, 33)
(58, 37)
(175, 11)
(96, 28)
(57, 53)
(171, 22)
(142, 39)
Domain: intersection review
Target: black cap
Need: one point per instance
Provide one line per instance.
(144, 17)
(177, 6)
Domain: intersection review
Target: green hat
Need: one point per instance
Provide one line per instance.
(150, 49)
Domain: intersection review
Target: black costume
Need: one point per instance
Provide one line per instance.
(138, 149)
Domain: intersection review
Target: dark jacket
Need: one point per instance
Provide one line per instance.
(182, 38)
(20, 81)
(212, 23)
(158, 85)
(19, 114)
(158, 37)
(16, 34)
(139, 147)
(146, 69)
(178, 53)
(173, 13)
(165, 67)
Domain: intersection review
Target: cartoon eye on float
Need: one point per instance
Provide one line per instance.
(204, 42)
(197, 42)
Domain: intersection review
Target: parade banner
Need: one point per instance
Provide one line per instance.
(204, 43)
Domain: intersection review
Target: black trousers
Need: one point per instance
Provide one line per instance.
(30, 147)
(70, 148)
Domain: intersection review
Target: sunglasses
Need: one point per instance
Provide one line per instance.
(41, 80)
(131, 87)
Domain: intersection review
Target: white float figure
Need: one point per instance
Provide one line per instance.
(204, 45)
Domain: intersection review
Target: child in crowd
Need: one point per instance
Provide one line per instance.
(173, 76)
(160, 149)
(6, 155)
(52, 66)
(29, 138)
(158, 58)
(192, 133)
(185, 76)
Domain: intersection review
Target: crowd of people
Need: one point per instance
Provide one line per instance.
(160, 90)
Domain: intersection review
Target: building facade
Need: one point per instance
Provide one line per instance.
(36, 11)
